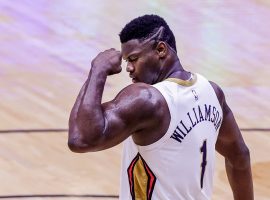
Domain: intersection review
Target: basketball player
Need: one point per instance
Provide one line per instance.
(171, 120)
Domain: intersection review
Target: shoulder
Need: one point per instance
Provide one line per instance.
(140, 93)
(136, 107)
(219, 92)
(147, 111)
(138, 99)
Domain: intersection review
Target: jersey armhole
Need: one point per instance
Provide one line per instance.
(170, 128)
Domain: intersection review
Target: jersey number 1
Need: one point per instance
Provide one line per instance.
(204, 162)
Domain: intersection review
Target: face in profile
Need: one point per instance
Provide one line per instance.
(142, 60)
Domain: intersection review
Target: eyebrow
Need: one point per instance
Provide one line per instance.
(136, 53)
(128, 58)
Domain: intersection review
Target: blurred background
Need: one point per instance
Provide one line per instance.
(45, 52)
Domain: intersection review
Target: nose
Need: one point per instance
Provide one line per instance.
(130, 68)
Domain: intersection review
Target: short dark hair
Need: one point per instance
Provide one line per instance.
(145, 26)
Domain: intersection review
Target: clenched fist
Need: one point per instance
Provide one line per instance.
(109, 60)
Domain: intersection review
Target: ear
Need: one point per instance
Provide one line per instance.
(162, 49)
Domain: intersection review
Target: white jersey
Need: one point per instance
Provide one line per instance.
(180, 165)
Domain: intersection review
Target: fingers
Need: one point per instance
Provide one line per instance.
(109, 60)
(114, 52)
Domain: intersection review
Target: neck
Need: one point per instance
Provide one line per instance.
(172, 68)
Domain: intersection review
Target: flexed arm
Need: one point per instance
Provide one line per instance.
(87, 120)
(94, 126)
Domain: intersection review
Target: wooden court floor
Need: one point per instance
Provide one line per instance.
(45, 52)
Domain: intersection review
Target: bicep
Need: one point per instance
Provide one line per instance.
(116, 127)
(230, 142)
(127, 113)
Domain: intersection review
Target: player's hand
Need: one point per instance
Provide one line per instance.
(109, 60)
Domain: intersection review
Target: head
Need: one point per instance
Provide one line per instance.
(147, 42)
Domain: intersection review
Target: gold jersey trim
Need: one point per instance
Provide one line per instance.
(182, 82)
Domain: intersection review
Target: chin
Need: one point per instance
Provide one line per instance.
(134, 80)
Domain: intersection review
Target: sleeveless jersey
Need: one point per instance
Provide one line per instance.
(180, 165)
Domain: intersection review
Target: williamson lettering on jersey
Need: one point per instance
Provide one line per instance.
(206, 113)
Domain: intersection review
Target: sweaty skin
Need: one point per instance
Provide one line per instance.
(140, 111)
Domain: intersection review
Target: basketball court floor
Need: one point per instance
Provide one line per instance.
(45, 52)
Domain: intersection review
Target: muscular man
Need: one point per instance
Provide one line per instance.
(171, 120)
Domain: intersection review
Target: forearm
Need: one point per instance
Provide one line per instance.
(73, 131)
(90, 118)
(240, 178)
(87, 120)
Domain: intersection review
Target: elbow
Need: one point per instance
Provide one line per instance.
(241, 160)
(245, 159)
(83, 137)
(76, 146)
(79, 144)
(76, 143)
